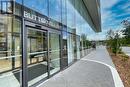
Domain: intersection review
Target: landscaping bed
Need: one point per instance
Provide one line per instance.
(122, 63)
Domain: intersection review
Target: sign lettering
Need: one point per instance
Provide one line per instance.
(35, 17)
(40, 19)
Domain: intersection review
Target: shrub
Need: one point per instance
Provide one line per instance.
(125, 57)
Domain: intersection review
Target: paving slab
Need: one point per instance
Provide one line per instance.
(88, 72)
(100, 54)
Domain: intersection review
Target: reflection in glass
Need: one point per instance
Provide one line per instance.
(16, 42)
(37, 55)
(4, 6)
(0, 6)
(10, 52)
(18, 9)
(64, 11)
(19, 1)
(78, 46)
(55, 10)
(70, 15)
(40, 6)
(54, 47)
(9, 7)
(64, 60)
(72, 48)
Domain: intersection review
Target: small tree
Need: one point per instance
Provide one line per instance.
(110, 37)
(113, 41)
(116, 45)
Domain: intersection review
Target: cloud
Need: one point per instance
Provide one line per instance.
(105, 4)
(108, 3)
(107, 17)
(123, 5)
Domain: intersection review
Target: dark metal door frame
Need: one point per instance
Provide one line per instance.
(24, 55)
(24, 31)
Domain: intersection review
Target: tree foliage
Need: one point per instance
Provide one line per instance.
(85, 41)
(126, 31)
(113, 41)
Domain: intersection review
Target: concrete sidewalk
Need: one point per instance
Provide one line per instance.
(126, 50)
(94, 70)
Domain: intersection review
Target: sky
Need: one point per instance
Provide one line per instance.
(112, 14)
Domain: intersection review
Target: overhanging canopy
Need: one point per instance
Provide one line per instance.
(90, 11)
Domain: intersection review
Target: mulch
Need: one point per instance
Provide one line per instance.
(123, 68)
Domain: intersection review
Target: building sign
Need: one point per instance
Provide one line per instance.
(41, 19)
(35, 17)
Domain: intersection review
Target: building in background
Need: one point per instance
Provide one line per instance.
(39, 38)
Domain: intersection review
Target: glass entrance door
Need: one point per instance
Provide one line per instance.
(43, 54)
(37, 55)
(54, 52)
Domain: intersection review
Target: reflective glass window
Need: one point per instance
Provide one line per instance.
(19, 1)
(70, 14)
(18, 9)
(41, 6)
(10, 52)
(9, 7)
(64, 12)
(0, 6)
(4, 7)
(55, 10)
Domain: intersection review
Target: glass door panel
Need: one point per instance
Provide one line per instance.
(78, 46)
(37, 55)
(72, 48)
(64, 59)
(54, 54)
(17, 52)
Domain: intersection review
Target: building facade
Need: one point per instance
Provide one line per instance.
(39, 38)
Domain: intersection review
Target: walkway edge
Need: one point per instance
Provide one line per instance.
(117, 80)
